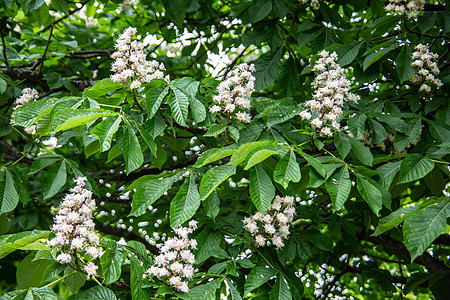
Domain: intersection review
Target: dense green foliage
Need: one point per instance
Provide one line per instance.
(370, 200)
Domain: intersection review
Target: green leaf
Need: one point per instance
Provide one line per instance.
(361, 152)
(289, 78)
(387, 173)
(43, 293)
(154, 98)
(259, 156)
(105, 131)
(131, 150)
(70, 118)
(267, 68)
(258, 276)
(414, 167)
(214, 154)
(33, 4)
(156, 125)
(234, 133)
(178, 103)
(287, 169)
(403, 64)
(11, 242)
(379, 132)
(3, 85)
(212, 205)
(213, 178)
(342, 143)
(9, 198)
(339, 187)
(147, 138)
(54, 179)
(377, 55)
(259, 10)
(29, 273)
(394, 219)
(43, 161)
(175, 11)
(31, 112)
(185, 203)
(427, 21)
(205, 291)
(61, 5)
(262, 190)
(348, 55)
(74, 281)
(241, 153)
(215, 130)
(370, 194)
(357, 125)
(111, 261)
(315, 164)
(96, 293)
(424, 226)
(280, 290)
(148, 192)
(234, 293)
(136, 272)
(101, 88)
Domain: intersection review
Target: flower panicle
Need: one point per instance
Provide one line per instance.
(130, 64)
(427, 69)
(175, 262)
(234, 93)
(273, 226)
(74, 228)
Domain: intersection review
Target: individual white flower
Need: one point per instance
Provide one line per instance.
(64, 258)
(90, 269)
(51, 143)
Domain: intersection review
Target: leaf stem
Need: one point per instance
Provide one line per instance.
(61, 278)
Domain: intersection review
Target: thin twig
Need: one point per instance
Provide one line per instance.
(231, 66)
(65, 17)
(46, 48)
(4, 50)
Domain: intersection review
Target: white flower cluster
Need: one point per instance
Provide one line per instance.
(313, 3)
(273, 226)
(174, 264)
(234, 94)
(427, 69)
(331, 90)
(409, 7)
(74, 228)
(28, 95)
(131, 65)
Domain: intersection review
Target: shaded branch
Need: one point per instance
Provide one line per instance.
(4, 49)
(46, 49)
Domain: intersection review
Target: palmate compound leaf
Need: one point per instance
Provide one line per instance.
(287, 169)
(262, 190)
(339, 187)
(424, 226)
(148, 192)
(185, 203)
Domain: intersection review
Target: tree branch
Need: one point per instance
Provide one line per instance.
(4, 49)
(65, 17)
(46, 49)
